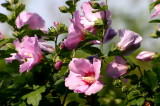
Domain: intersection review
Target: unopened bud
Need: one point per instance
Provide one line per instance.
(58, 65)
(62, 46)
(63, 9)
(153, 35)
(124, 89)
(56, 24)
(117, 83)
(10, 45)
(95, 5)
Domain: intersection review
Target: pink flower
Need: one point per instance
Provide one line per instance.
(1, 36)
(76, 33)
(130, 41)
(89, 18)
(117, 68)
(84, 76)
(32, 19)
(145, 56)
(88, 12)
(82, 23)
(29, 53)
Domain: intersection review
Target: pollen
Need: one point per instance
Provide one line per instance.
(28, 54)
(89, 79)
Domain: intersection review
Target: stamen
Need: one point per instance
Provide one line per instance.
(29, 55)
(89, 79)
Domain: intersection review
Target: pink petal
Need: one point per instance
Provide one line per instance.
(94, 88)
(81, 89)
(116, 70)
(97, 67)
(73, 81)
(156, 13)
(87, 10)
(80, 66)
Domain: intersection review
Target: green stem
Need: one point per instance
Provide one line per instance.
(140, 71)
(74, 53)
(65, 97)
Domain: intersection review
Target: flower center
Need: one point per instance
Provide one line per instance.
(28, 54)
(89, 79)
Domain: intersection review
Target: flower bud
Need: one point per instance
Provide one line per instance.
(95, 5)
(145, 56)
(130, 41)
(153, 35)
(56, 24)
(62, 45)
(58, 65)
(117, 83)
(63, 9)
(110, 33)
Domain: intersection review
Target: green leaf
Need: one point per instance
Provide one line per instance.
(13, 67)
(7, 6)
(73, 103)
(150, 79)
(33, 98)
(155, 21)
(157, 99)
(4, 41)
(60, 81)
(69, 3)
(133, 94)
(152, 5)
(19, 8)
(3, 18)
(157, 71)
(140, 101)
(91, 50)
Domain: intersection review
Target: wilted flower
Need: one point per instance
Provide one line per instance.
(58, 65)
(145, 56)
(110, 33)
(46, 47)
(29, 53)
(32, 19)
(84, 76)
(117, 68)
(130, 41)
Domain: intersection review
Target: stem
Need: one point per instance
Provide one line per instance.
(74, 53)
(140, 71)
(65, 96)
(56, 42)
(56, 38)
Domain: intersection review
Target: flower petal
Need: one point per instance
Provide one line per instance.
(94, 88)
